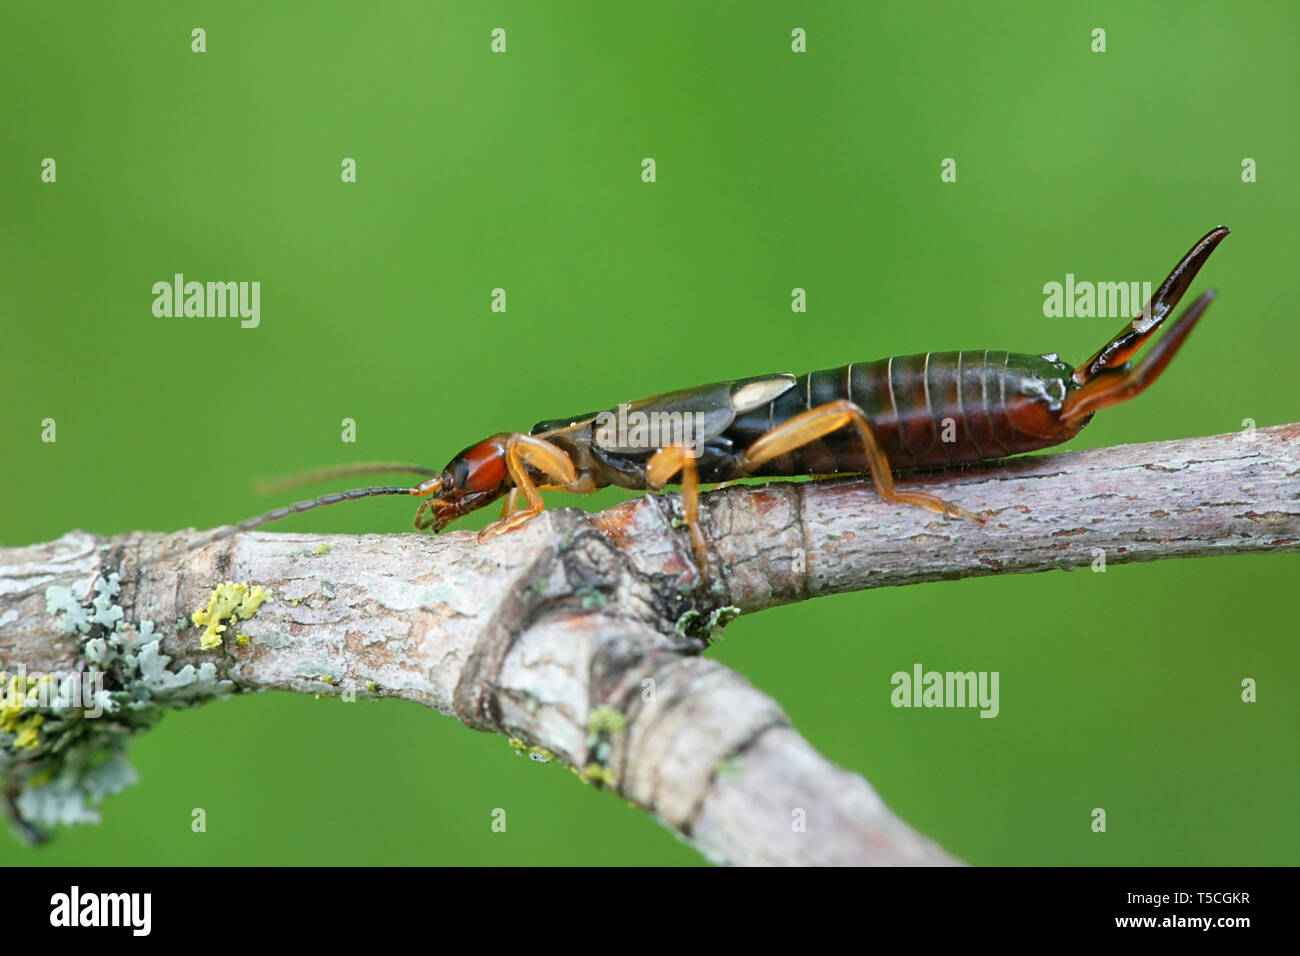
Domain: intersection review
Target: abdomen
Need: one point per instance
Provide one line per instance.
(926, 411)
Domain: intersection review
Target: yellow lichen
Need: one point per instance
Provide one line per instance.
(607, 720)
(28, 735)
(15, 700)
(597, 775)
(540, 754)
(229, 602)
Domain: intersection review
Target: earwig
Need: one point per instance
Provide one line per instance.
(931, 410)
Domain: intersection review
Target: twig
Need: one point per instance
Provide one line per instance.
(579, 635)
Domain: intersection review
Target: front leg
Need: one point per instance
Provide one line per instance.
(551, 460)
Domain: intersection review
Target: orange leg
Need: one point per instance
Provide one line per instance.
(420, 521)
(817, 422)
(660, 470)
(549, 459)
(508, 506)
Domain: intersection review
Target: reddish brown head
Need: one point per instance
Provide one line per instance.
(474, 478)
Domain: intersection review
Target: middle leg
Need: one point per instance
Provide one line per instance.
(663, 466)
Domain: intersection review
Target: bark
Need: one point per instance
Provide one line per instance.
(580, 634)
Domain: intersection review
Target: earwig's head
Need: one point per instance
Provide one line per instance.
(474, 478)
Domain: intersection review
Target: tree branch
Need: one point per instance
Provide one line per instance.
(579, 635)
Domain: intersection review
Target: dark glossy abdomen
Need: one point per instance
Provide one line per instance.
(926, 411)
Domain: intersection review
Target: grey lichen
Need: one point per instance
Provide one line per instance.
(719, 619)
(63, 736)
(684, 624)
(694, 624)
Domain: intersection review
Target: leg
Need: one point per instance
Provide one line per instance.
(420, 521)
(817, 422)
(662, 467)
(552, 461)
(508, 506)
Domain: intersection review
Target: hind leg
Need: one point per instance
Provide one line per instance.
(807, 427)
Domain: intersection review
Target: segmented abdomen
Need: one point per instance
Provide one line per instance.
(926, 411)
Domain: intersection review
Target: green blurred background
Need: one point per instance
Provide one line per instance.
(776, 170)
